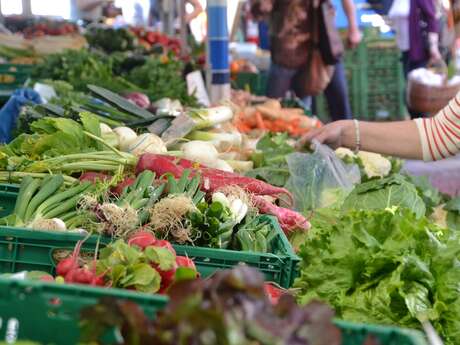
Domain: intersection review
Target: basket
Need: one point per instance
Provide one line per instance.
(49, 313)
(430, 99)
(356, 334)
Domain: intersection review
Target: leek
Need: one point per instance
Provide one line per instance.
(206, 118)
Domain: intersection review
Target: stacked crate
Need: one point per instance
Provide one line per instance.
(375, 82)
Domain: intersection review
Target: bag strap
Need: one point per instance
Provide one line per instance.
(313, 19)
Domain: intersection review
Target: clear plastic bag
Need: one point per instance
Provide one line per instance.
(320, 179)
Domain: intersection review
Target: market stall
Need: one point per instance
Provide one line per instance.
(132, 212)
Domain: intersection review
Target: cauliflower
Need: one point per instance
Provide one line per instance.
(439, 216)
(374, 165)
(343, 153)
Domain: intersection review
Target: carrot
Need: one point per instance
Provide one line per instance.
(260, 121)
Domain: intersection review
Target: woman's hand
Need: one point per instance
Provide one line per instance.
(334, 134)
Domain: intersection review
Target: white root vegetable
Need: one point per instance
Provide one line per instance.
(54, 224)
(125, 137)
(221, 165)
(221, 198)
(147, 143)
(200, 151)
(105, 129)
(238, 209)
(241, 166)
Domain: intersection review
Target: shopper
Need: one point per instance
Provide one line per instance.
(289, 49)
(431, 139)
(417, 34)
(156, 9)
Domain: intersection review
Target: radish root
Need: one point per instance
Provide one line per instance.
(167, 218)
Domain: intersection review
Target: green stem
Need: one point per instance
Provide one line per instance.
(103, 142)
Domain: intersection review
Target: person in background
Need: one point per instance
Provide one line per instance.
(289, 49)
(154, 13)
(423, 138)
(417, 34)
(155, 10)
(88, 10)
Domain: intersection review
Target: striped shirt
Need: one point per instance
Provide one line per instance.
(440, 135)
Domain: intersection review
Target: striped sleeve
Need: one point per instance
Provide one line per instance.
(440, 135)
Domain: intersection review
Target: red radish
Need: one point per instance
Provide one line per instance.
(165, 244)
(83, 276)
(138, 99)
(184, 261)
(94, 177)
(98, 280)
(64, 266)
(142, 239)
(47, 278)
(289, 220)
(212, 179)
(67, 266)
(273, 293)
(167, 277)
(119, 188)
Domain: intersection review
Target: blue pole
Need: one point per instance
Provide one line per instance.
(218, 53)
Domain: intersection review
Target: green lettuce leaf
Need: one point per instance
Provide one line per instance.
(385, 193)
(384, 267)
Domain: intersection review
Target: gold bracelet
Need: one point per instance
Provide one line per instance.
(357, 135)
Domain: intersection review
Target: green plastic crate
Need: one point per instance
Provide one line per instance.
(356, 334)
(256, 83)
(8, 195)
(49, 313)
(25, 250)
(280, 267)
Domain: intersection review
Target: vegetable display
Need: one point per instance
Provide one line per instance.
(384, 267)
(121, 150)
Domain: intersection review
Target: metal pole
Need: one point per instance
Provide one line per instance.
(26, 8)
(218, 53)
(183, 28)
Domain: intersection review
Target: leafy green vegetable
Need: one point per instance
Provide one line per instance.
(229, 308)
(270, 159)
(384, 267)
(128, 267)
(161, 77)
(453, 213)
(80, 68)
(430, 195)
(385, 193)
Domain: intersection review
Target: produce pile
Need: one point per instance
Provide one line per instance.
(145, 41)
(157, 76)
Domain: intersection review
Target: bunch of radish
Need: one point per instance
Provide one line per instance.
(74, 270)
(144, 239)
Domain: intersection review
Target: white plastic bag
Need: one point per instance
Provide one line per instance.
(319, 179)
